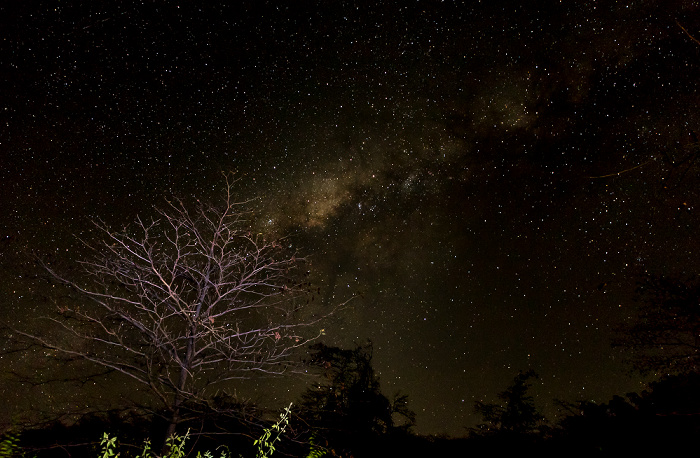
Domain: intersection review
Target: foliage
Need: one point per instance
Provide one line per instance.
(175, 444)
(9, 445)
(147, 451)
(314, 450)
(109, 446)
(664, 336)
(347, 409)
(515, 416)
(266, 442)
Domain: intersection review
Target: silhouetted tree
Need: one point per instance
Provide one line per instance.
(183, 303)
(665, 335)
(346, 408)
(663, 418)
(515, 416)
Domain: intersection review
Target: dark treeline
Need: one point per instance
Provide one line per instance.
(346, 414)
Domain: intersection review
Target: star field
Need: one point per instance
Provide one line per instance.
(493, 177)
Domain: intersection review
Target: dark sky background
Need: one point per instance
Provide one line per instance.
(493, 176)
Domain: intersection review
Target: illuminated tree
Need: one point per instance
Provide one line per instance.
(183, 303)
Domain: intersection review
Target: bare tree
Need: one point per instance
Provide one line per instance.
(184, 302)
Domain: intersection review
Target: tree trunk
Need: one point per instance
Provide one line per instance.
(174, 420)
(177, 401)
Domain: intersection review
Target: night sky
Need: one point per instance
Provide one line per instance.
(493, 177)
